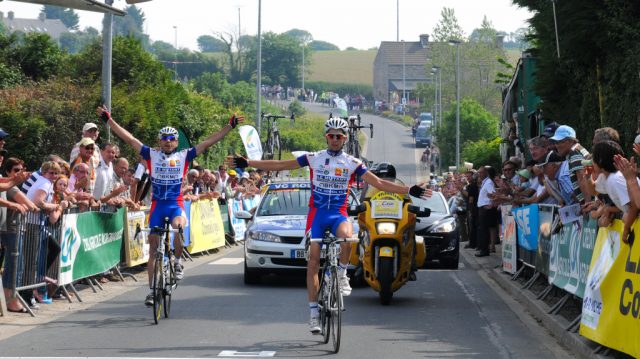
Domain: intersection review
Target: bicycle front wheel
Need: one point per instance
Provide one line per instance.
(324, 308)
(157, 289)
(169, 285)
(277, 146)
(335, 310)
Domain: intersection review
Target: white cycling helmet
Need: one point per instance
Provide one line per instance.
(336, 123)
(168, 131)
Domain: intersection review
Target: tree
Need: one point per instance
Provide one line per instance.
(318, 45)
(301, 36)
(39, 56)
(131, 25)
(281, 59)
(208, 43)
(448, 27)
(476, 124)
(486, 33)
(68, 16)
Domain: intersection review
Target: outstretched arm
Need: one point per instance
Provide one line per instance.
(233, 122)
(389, 186)
(125, 135)
(267, 165)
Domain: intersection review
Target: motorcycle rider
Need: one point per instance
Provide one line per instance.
(332, 174)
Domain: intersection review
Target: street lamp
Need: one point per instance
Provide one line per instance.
(175, 54)
(456, 43)
(259, 69)
(438, 69)
(404, 79)
(302, 45)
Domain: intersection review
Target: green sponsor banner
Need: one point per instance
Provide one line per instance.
(90, 244)
(571, 252)
(224, 213)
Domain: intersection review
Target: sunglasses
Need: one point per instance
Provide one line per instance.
(90, 148)
(335, 136)
(17, 169)
(168, 138)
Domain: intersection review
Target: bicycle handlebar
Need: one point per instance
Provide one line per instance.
(273, 117)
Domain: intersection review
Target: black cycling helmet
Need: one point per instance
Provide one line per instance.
(384, 170)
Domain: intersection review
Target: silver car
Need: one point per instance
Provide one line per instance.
(274, 237)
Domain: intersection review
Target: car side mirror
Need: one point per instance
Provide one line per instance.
(243, 215)
(419, 211)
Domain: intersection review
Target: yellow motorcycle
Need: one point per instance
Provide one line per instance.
(388, 254)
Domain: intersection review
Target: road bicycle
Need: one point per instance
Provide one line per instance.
(273, 145)
(164, 279)
(330, 301)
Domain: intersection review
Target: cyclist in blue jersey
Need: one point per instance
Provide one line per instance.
(332, 173)
(167, 168)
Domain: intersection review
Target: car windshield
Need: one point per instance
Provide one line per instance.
(283, 202)
(435, 203)
(422, 131)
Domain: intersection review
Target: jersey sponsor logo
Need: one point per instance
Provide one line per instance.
(338, 171)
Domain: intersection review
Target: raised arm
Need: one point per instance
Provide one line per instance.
(233, 122)
(125, 135)
(267, 165)
(388, 186)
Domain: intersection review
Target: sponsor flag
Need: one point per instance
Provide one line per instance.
(251, 141)
(341, 105)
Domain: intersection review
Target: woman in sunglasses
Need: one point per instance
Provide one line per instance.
(333, 172)
(167, 168)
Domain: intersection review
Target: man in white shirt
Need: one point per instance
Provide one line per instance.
(89, 130)
(104, 172)
(487, 213)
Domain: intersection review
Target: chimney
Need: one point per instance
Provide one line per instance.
(424, 40)
(42, 16)
(499, 40)
(10, 15)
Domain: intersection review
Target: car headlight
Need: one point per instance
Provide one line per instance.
(265, 236)
(386, 228)
(445, 227)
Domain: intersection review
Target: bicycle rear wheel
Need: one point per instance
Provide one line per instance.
(158, 289)
(268, 148)
(168, 288)
(335, 310)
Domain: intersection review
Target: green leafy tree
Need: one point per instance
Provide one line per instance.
(483, 153)
(281, 59)
(208, 43)
(476, 124)
(38, 56)
(318, 45)
(448, 27)
(486, 32)
(68, 16)
(302, 36)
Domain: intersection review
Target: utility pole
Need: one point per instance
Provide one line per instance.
(259, 70)
(107, 52)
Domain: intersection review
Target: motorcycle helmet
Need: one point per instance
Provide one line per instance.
(336, 123)
(384, 170)
(168, 131)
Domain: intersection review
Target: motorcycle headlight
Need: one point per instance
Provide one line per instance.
(386, 228)
(265, 236)
(445, 227)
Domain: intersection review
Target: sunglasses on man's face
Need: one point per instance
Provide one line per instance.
(168, 138)
(89, 148)
(335, 136)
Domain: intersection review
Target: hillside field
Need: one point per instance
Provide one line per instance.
(352, 67)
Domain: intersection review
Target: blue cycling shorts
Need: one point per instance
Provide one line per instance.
(320, 220)
(161, 209)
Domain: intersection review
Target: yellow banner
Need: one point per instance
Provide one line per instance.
(611, 306)
(136, 250)
(207, 230)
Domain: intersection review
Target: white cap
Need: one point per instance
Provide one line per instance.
(245, 174)
(637, 140)
(89, 125)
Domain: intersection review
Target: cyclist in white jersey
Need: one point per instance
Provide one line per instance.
(332, 174)
(167, 168)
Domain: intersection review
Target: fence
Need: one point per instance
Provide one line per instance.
(81, 245)
(584, 262)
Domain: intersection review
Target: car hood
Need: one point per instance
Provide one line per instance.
(290, 226)
(425, 224)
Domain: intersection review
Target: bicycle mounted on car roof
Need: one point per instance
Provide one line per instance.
(273, 145)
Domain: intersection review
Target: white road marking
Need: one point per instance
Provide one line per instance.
(227, 261)
(237, 354)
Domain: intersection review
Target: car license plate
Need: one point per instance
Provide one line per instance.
(300, 253)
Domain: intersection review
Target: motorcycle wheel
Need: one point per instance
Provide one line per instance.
(385, 277)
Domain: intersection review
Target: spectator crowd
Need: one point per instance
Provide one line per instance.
(602, 183)
(94, 178)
